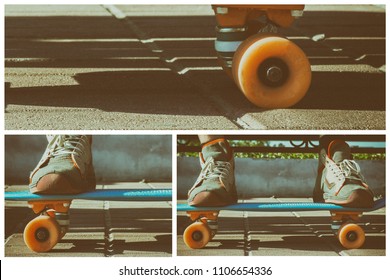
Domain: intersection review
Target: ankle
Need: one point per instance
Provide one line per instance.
(218, 149)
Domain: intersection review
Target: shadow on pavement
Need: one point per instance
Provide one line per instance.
(89, 45)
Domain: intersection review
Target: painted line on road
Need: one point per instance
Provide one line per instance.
(187, 69)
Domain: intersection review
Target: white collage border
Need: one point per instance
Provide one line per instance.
(107, 268)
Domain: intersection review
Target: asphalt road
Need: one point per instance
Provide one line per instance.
(143, 67)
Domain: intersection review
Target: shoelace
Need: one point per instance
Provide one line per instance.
(350, 170)
(215, 169)
(68, 145)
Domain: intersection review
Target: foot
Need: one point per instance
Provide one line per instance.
(215, 185)
(339, 180)
(65, 167)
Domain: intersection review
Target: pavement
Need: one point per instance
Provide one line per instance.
(99, 228)
(283, 233)
(154, 67)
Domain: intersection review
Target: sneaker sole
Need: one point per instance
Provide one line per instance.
(358, 199)
(54, 184)
(209, 199)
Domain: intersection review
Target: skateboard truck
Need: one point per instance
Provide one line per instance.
(43, 232)
(246, 43)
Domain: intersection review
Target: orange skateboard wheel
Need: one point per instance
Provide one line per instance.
(351, 236)
(271, 71)
(197, 235)
(42, 234)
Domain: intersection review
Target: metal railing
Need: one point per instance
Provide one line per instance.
(288, 143)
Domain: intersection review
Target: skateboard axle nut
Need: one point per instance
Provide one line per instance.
(42, 234)
(274, 74)
(352, 236)
(197, 235)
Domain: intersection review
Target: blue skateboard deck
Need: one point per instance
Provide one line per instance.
(282, 207)
(111, 194)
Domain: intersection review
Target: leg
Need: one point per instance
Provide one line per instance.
(208, 138)
(215, 185)
(65, 167)
(339, 179)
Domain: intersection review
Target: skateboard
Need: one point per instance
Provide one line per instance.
(43, 232)
(343, 220)
(271, 71)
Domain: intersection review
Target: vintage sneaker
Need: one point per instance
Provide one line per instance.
(339, 179)
(215, 185)
(65, 167)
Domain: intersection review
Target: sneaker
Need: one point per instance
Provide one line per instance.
(65, 167)
(215, 185)
(339, 179)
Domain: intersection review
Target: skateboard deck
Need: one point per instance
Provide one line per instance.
(343, 219)
(111, 194)
(43, 232)
(282, 207)
(271, 71)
